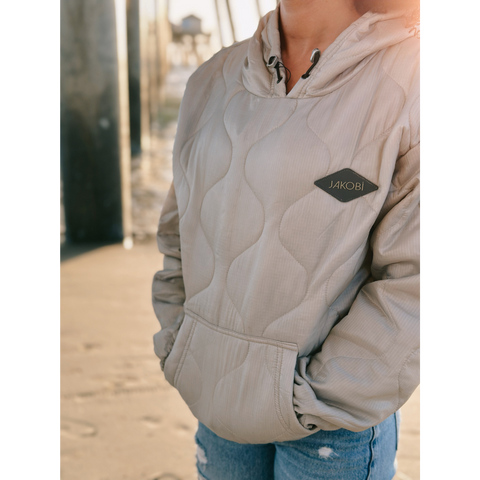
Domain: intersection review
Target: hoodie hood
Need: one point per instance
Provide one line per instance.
(340, 62)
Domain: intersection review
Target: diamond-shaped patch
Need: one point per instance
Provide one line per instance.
(346, 185)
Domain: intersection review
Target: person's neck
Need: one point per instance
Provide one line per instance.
(308, 24)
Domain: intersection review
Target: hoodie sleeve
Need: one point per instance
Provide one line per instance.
(369, 363)
(168, 292)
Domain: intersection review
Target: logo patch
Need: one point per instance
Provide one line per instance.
(346, 185)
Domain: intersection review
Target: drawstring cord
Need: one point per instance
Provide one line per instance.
(274, 62)
(314, 58)
(287, 71)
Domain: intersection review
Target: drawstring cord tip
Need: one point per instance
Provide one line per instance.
(274, 62)
(277, 68)
(314, 58)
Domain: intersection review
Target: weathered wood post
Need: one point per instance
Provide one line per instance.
(95, 139)
(145, 7)
(133, 38)
(143, 72)
(153, 62)
(125, 143)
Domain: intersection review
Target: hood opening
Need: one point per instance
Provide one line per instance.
(343, 59)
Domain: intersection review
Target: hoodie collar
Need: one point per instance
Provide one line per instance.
(341, 61)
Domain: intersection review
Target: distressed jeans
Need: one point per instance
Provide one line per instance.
(325, 455)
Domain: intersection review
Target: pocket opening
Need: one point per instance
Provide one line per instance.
(239, 386)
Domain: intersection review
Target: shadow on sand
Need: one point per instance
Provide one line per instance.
(72, 250)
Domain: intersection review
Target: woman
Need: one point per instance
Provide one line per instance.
(289, 299)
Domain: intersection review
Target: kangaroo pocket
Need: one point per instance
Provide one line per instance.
(239, 386)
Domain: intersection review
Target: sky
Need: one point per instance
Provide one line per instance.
(244, 14)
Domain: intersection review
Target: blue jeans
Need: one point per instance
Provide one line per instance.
(325, 455)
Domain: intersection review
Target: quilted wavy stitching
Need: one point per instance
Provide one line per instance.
(387, 129)
(385, 132)
(263, 228)
(289, 207)
(194, 134)
(210, 117)
(256, 196)
(330, 156)
(307, 287)
(325, 230)
(206, 193)
(233, 369)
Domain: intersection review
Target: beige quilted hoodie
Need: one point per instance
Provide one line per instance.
(289, 299)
